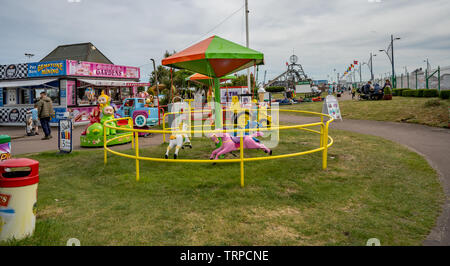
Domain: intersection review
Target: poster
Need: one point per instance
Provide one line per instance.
(46, 69)
(80, 68)
(65, 135)
(331, 107)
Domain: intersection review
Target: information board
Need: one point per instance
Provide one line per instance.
(65, 135)
(331, 107)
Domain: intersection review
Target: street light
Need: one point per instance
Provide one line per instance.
(391, 58)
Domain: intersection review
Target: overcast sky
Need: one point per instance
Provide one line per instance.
(324, 34)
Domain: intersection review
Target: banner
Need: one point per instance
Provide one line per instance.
(90, 69)
(46, 69)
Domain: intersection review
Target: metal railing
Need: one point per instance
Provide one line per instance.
(325, 142)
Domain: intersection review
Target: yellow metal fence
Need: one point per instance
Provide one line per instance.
(325, 142)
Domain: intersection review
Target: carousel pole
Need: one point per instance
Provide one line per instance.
(217, 106)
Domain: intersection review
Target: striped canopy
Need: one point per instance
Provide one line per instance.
(208, 81)
(215, 57)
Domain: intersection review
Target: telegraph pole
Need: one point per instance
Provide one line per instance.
(248, 44)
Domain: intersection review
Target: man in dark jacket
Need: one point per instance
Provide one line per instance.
(45, 111)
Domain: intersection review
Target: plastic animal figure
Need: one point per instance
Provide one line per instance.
(108, 114)
(178, 141)
(230, 144)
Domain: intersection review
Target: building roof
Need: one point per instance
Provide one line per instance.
(79, 51)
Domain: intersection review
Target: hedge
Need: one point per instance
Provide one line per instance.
(398, 92)
(420, 93)
(408, 93)
(430, 93)
(275, 89)
(444, 94)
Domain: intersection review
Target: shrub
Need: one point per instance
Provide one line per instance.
(387, 91)
(419, 93)
(444, 94)
(430, 93)
(275, 89)
(398, 92)
(432, 103)
(408, 93)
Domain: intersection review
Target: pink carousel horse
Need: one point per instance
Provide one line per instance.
(230, 144)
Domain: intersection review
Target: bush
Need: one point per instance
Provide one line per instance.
(387, 91)
(398, 92)
(275, 89)
(432, 103)
(444, 94)
(430, 93)
(408, 93)
(419, 93)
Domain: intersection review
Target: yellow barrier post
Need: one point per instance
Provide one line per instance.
(325, 146)
(321, 131)
(242, 158)
(164, 128)
(137, 154)
(104, 144)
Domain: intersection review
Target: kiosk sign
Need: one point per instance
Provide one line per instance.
(331, 107)
(44, 69)
(65, 135)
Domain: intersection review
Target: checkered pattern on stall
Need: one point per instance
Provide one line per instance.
(4, 114)
(22, 71)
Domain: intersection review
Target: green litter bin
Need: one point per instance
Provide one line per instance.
(5, 147)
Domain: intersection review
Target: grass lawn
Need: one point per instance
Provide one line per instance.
(372, 188)
(399, 109)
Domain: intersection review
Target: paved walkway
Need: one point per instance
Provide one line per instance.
(23, 144)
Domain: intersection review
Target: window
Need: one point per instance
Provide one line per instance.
(125, 93)
(53, 93)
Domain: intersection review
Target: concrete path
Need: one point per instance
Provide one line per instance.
(432, 143)
(21, 144)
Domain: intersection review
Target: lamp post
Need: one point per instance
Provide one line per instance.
(391, 59)
(371, 66)
(29, 55)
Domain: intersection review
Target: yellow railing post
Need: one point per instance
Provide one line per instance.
(137, 154)
(164, 128)
(321, 131)
(325, 146)
(104, 144)
(131, 124)
(242, 158)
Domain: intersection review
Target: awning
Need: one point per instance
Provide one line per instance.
(25, 83)
(103, 82)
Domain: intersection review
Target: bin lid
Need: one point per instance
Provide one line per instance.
(19, 172)
(5, 139)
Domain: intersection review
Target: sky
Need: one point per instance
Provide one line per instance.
(324, 34)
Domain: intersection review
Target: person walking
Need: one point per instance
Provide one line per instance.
(45, 111)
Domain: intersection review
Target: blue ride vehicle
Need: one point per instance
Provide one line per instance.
(139, 111)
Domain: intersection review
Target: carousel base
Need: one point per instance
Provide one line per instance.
(97, 141)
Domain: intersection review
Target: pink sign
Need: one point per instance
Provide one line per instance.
(89, 69)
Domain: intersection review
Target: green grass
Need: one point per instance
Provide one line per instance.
(372, 188)
(399, 109)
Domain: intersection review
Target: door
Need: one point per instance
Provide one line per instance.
(11, 96)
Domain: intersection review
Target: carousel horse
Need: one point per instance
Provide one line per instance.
(230, 144)
(178, 141)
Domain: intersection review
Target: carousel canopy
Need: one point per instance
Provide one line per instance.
(215, 57)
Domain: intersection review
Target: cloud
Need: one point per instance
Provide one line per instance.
(325, 34)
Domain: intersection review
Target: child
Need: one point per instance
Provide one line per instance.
(34, 117)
